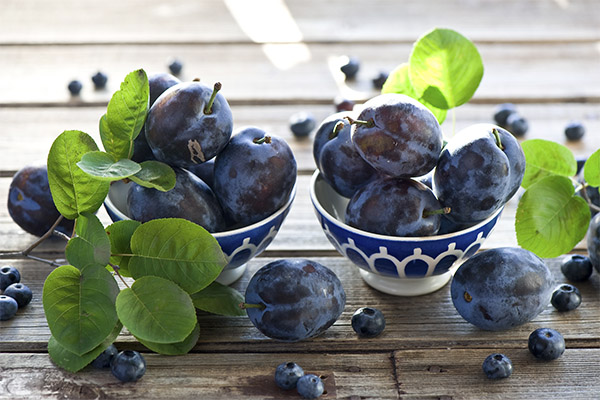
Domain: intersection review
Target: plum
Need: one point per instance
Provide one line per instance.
(395, 207)
(593, 241)
(254, 175)
(190, 199)
(30, 202)
(397, 135)
(205, 171)
(189, 124)
(294, 299)
(478, 171)
(501, 288)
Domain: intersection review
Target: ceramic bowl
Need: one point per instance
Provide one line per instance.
(239, 245)
(402, 266)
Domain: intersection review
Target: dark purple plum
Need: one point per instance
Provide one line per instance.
(294, 299)
(254, 175)
(325, 131)
(500, 288)
(478, 171)
(397, 135)
(395, 207)
(30, 202)
(188, 124)
(593, 241)
(205, 171)
(190, 199)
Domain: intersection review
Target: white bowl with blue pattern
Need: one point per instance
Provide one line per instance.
(239, 245)
(402, 266)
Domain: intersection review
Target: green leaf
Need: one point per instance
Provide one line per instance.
(156, 310)
(91, 246)
(399, 82)
(125, 115)
(591, 169)
(73, 191)
(545, 158)
(550, 218)
(156, 175)
(73, 362)
(178, 250)
(80, 306)
(104, 166)
(445, 68)
(174, 349)
(219, 299)
(119, 234)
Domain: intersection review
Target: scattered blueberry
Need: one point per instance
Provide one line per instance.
(128, 366)
(8, 307)
(379, 80)
(310, 386)
(566, 298)
(99, 80)
(175, 67)
(497, 366)
(302, 124)
(287, 375)
(350, 67)
(574, 130)
(516, 124)
(368, 322)
(343, 104)
(75, 87)
(577, 267)
(502, 112)
(546, 343)
(21, 293)
(8, 276)
(105, 358)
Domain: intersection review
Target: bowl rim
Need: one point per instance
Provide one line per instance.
(321, 210)
(231, 232)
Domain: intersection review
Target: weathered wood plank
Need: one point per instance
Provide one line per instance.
(138, 21)
(457, 374)
(250, 73)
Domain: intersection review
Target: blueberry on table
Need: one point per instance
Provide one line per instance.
(105, 358)
(99, 79)
(577, 267)
(566, 298)
(287, 375)
(302, 124)
(546, 344)
(21, 293)
(503, 111)
(8, 276)
(175, 67)
(574, 130)
(343, 104)
(517, 124)
(368, 322)
(74, 87)
(379, 80)
(8, 307)
(350, 67)
(128, 366)
(310, 386)
(497, 366)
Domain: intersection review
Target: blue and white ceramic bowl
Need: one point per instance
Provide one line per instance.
(239, 245)
(403, 266)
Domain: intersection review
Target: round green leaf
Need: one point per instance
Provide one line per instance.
(445, 68)
(156, 310)
(156, 175)
(80, 306)
(91, 246)
(104, 166)
(174, 349)
(219, 299)
(119, 234)
(178, 250)
(550, 218)
(545, 158)
(591, 169)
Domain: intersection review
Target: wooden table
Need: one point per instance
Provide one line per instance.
(542, 55)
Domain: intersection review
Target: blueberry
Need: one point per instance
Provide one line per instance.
(8, 307)
(175, 67)
(75, 87)
(546, 343)
(497, 366)
(502, 112)
(128, 366)
(302, 124)
(105, 358)
(368, 322)
(99, 80)
(574, 130)
(566, 298)
(517, 125)
(379, 80)
(287, 375)
(343, 104)
(21, 293)
(576, 267)
(8, 276)
(350, 67)
(310, 386)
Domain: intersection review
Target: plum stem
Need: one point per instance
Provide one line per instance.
(116, 268)
(264, 139)
(498, 140)
(368, 124)
(244, 306)
(585, 195)
(429, 213)
(336, 130)
(208, 108)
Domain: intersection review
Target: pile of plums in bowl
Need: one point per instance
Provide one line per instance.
(238, 185)
(401, 204)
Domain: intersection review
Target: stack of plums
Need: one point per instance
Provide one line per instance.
(224, 179)
(402, 179)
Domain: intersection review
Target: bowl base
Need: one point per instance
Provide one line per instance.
(405, 287)
(228, 276)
